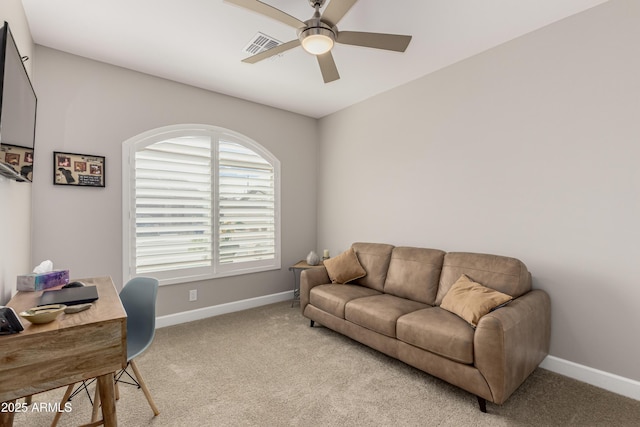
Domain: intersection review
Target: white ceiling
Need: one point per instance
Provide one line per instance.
(200, 42)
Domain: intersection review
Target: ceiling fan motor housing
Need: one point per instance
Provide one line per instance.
(315, 29)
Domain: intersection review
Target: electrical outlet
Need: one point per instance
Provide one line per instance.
(193, 295)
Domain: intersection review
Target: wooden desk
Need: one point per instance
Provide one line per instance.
(72, 348)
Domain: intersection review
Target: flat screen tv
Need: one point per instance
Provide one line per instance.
(18, 104)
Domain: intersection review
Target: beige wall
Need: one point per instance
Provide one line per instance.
(91, 108)
(15, 197)
(530, 150)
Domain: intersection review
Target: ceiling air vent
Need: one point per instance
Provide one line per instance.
(259, 43)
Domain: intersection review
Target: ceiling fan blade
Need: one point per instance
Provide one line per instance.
(271, 52)
(394, 42)
(336, 10)
(328, 67)
(269, 11)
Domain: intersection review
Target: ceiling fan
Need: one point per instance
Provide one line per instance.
(318, 34)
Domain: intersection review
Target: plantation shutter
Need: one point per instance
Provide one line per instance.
(199, 202)
(173, 205)
(246, 205)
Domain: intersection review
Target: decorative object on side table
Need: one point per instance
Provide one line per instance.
(313, 258)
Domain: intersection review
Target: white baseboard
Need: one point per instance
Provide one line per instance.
(611, 382)
(216, 310)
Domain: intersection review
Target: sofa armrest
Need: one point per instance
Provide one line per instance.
(510, 343)
(308, 279)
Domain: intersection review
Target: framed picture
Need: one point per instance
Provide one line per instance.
(82, 170)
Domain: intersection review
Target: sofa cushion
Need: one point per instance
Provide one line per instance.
(379, 313)
(332, 298)
(374, 257)
(414, 273)
(471, 300)
(438, 331)
(507, 275)
(344, 267)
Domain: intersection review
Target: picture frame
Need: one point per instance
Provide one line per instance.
(80, 170)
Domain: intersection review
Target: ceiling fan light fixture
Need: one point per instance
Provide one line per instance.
(317, 40)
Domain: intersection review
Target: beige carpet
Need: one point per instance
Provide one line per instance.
(267, 367)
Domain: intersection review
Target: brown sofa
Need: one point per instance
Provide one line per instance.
(396, 308)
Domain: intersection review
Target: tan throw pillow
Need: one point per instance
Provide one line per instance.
(344, 267)
(471, 300)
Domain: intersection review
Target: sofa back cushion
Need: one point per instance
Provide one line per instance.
(374, 258)
(414, 273)
(507, 275)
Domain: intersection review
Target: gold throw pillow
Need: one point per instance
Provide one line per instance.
(471, 300)
(344, 267)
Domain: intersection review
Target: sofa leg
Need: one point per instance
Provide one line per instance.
(311, 322)
(483, 404)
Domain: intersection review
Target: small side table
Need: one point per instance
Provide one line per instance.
(297, 269)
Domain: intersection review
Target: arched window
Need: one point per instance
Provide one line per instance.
(199, 202)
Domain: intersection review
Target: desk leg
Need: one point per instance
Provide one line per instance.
(107, 397)
(6, 418)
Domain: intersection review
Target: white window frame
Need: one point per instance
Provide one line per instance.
(137, 143)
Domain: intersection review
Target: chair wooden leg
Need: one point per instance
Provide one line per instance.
(96, 405)
(67, 393)
(117, 390)
(147, 394)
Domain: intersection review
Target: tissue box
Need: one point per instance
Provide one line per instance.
(38, 282)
